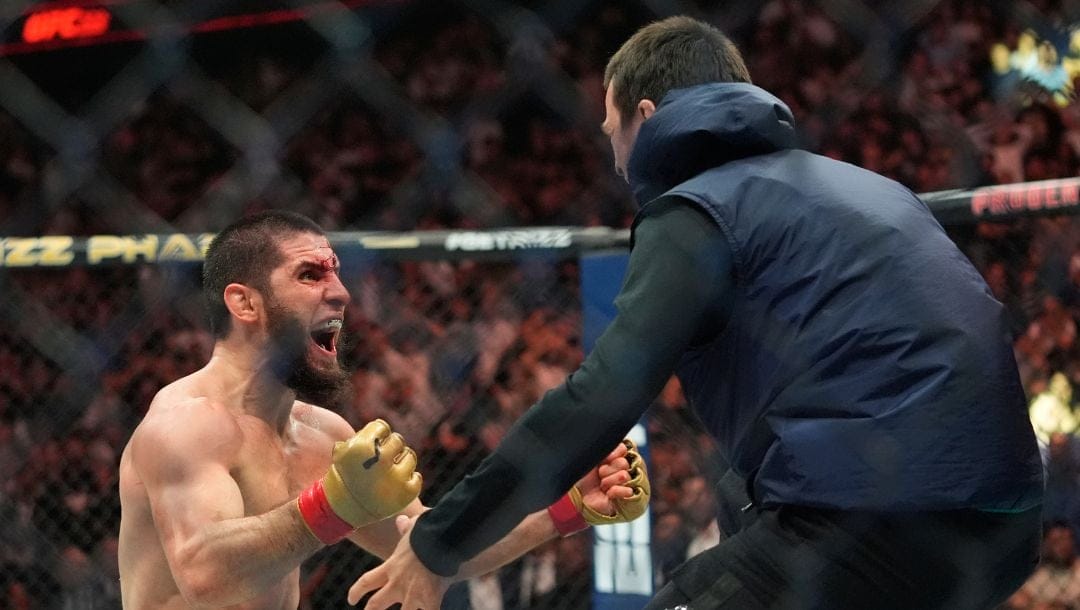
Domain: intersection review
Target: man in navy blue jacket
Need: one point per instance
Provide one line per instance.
(851, 363)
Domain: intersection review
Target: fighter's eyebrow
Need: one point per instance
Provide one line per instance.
(326, 264)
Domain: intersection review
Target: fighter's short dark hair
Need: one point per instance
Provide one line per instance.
(245, 252)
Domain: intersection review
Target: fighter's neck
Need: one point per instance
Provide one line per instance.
(243, 377)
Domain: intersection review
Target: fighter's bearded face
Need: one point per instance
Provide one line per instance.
(305, 306)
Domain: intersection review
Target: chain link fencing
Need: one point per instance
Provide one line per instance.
(470, 114)
(450, 353)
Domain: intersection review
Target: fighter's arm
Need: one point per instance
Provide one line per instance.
(217, 555)
(381, 538)
(616, 489)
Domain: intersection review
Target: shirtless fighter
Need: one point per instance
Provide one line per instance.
(234, 477)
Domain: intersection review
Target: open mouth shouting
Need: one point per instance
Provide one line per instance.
(324, 336)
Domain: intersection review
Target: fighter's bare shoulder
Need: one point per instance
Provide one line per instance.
(178, 423)
(322, 420)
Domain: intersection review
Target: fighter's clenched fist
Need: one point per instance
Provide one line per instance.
(373, 476)
(625, 509)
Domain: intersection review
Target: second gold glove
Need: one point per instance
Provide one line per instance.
(626, 509)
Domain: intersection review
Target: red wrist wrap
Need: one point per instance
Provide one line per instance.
(320, 518)
(566, 517)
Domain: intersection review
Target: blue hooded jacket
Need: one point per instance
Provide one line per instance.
(865, 364)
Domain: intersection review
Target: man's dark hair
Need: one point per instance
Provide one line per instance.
(671, 54)
(245, 252)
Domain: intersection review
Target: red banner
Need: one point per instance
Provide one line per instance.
(1025, 198)
(65, 24)
(70, 23)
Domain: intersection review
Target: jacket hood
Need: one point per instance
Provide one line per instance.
(701, 127)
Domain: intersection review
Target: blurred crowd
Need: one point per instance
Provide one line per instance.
(490, 121)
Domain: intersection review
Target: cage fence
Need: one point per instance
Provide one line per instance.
(466, 115)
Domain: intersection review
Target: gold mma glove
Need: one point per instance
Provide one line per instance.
(373, 476)
(626, 509)
(570, 514)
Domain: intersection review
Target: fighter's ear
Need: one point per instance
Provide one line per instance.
(244, 302)
(646, 108)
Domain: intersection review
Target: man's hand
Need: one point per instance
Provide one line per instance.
(373, 476)
(401, 578)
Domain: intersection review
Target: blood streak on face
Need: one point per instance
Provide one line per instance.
(330, 263)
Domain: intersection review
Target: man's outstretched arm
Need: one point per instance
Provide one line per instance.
(677, 284)
(676, 293)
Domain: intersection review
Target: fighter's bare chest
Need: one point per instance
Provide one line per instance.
(271, 468)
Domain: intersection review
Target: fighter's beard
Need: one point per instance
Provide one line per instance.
(326, 387)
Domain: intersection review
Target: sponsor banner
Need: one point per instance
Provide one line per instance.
(64, 250)
(1005, 202)
(1033, 197)
(516, 239)
(991, 203)
(60, 24)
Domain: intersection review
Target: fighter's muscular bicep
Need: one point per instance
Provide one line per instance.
(183, 454)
